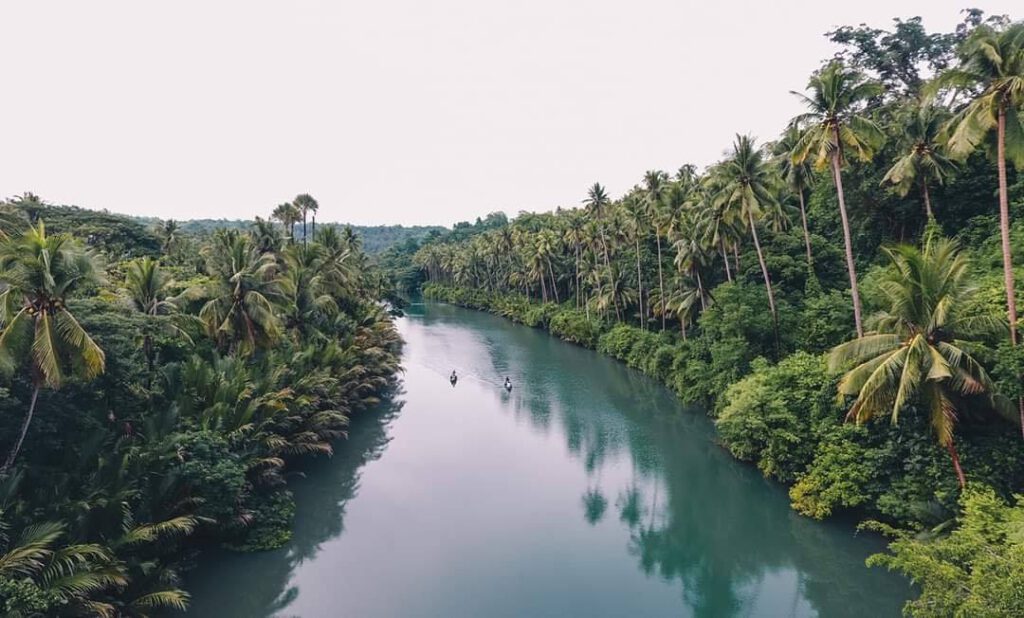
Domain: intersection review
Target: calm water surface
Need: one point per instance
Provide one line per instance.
(587, 491)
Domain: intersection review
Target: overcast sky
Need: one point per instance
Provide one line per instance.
(396, 111)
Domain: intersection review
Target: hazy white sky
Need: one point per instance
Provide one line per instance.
(396, 111)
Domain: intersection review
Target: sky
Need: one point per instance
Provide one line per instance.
(397, 111)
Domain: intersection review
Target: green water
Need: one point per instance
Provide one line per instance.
(587, 491)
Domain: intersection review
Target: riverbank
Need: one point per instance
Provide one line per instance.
(784, 417)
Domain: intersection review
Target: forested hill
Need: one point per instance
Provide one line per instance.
(376, 238)
(125, 235)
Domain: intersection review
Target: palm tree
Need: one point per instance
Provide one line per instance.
(265, 235)
(38, 330)
(835, 123)
(305, 204)
(574, 235)
(288, 215)
(917, 351)
(636, 226)
(923, 161)
(239, 314)
(992, 69)
(148, 290)
(598, 204)
(797, 176)
(168, 234)
(744, 185)
(654, 189)
(68, 575)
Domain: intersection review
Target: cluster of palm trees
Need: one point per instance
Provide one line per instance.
(288, 214)
(702, 221)
(282, 341)
(706, 219)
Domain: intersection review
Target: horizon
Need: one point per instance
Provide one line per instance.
(410, 114)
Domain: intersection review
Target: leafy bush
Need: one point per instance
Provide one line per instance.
(977, 570)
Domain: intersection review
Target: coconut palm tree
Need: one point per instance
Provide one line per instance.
(574, 235)
(992, 69)
(68, 575)
(168, 235)
(918, 351)
(743, 184)
(655, 186)
(39, 332)
(149, 291)
(305, 203)
(835, 125)
(239, 314)
(797, 176)
(923, 161)
(288, 215)
(636, 228)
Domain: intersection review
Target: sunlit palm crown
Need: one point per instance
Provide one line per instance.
(40, 273)
(835, 119)
(992, 64)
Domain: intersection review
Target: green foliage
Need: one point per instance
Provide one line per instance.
(272, 515)
(976, 570)
(181, 404)
(774, 415)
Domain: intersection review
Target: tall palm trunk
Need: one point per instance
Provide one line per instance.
(1004, 233)
(767, 281)
(577, 279)
(640, 286)
(927, 199)
(303, 228)
(700, 291)
(837, 177)
(661, 282)
(608, 266)
(725, 259)
(21, 435)
(956, 464)
(1004, 228)
(554, 285)
(803, 219)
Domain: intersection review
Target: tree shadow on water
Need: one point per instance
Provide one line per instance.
(259, 585)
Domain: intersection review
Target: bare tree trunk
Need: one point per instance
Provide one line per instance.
(640, 287)
(807, 234)
(661, 283)
(956, 464)
(927, 200)
(767, 281)
(554, 284)
(1004, 232)
(851, 268)
(578, 276)
(700, 291)
(1004, 229)
(21, 436)
(725, 258)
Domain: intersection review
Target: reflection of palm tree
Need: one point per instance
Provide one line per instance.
(594, 505)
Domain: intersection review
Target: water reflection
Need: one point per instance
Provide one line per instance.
(585, 491)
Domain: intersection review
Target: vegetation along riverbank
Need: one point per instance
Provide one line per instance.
(160, 388)
(842, 298)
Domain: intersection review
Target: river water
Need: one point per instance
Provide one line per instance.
(589, 490)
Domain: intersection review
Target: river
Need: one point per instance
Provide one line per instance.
(589, 490)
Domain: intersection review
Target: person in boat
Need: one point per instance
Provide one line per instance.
(453, 378)
(508, 384)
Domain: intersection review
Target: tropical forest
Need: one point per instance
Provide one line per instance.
(812, 401)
